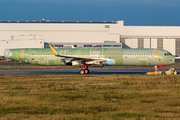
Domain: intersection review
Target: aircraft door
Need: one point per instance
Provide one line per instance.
(62, 52)
(142, 61)
(22, 54)
(156, 55)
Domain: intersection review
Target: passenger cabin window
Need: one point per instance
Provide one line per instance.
(97, 46)
(58, 45)
(87, 45)
(106, 45)
(116, 45)
(167, 54)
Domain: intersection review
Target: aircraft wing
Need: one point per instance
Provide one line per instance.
(77, 58)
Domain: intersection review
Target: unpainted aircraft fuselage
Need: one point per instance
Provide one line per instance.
(114, 56)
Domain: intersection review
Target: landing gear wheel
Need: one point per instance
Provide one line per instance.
(163, 73)
(86, 71)
(81, 72)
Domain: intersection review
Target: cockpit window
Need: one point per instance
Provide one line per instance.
(167, 54)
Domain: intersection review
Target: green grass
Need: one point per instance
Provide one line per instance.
(80, 97)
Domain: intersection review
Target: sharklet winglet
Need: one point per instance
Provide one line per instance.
(53, 51)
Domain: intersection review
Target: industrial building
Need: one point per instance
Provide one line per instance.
(38, 34)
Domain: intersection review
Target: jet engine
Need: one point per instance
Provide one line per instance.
(76, 63)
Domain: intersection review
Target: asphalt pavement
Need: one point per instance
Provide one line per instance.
(103, 71)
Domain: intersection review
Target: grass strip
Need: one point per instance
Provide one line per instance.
(89, 97)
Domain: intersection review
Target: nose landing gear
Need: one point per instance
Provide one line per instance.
(84, 69)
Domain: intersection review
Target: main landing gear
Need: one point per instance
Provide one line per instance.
(84, 69)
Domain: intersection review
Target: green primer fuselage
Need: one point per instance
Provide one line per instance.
(119, 56)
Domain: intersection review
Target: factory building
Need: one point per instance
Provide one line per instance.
(107, 34)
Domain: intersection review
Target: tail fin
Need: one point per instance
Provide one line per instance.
(53, 51)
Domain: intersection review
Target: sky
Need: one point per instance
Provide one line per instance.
(132, 12)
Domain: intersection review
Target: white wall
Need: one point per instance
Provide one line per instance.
(68, 32)
(169, 45)
(151, 31)
(172, 46)
(128, 43)
(134, 43)
(85, 32)
(146, 43)
(166, 44)
(153, 43)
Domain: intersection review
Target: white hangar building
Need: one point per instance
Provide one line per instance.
(36, 34)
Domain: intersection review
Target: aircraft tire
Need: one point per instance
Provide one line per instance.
(81, 72)
(86, 71)
(163, 73)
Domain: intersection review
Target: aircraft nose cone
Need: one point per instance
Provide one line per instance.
(6, 53)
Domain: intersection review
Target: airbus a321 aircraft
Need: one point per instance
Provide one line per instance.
(86, 57)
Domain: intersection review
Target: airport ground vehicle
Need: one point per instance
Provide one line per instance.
(171, 71)
(2, 58)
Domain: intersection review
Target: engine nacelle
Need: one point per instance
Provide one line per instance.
(110, 62)
(76, 63)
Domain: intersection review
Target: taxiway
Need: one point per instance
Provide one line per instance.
(76, 71)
